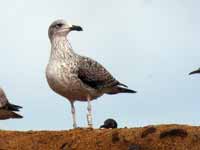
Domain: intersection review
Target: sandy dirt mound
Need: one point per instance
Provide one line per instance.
(162, 137)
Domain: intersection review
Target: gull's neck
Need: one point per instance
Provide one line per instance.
(61, 48)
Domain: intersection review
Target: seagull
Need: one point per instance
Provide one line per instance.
(195, 72)
(76, 77)
(7, 109)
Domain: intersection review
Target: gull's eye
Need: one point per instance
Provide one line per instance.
(59, 25)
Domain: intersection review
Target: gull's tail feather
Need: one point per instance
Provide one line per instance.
(15, 115)
(7, 114)
(13, 107)
(118, 89)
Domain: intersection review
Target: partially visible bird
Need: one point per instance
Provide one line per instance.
(76, 77)
(109, 123)
(195, 72)
(6, 108)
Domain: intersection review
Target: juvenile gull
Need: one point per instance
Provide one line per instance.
(76, 77)
(6, 108)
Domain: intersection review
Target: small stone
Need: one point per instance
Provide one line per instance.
(109, 123)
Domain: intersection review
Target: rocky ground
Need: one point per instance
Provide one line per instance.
(160, 137)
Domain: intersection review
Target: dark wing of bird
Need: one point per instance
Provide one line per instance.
(6, 114)
(95, 75)
(12, 107)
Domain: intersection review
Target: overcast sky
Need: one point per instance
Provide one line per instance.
(150, 45)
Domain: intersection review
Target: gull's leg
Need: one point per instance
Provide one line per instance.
(73, 114)
(89, 115)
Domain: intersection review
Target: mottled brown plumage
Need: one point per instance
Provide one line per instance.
(94, 74)
(76, 77)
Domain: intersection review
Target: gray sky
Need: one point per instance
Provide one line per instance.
(150, 45)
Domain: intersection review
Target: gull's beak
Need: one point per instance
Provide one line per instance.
(194, 72)
(76, 28)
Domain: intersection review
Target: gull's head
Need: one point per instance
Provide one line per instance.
(62, 28)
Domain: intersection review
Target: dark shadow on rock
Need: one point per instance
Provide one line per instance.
(134, 147)
(115, 137)
(149, 130)
(174, 133)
